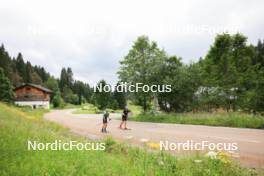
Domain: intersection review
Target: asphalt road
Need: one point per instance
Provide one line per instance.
(250, 142)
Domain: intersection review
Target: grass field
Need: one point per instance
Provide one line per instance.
(87, 109)
(232, 119)
(67, 106)
(92, 109)
(19, 125)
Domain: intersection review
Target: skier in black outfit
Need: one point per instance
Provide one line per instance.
(124, 119)
(105, 121)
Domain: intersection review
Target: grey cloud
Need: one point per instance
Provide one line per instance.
(91, 39)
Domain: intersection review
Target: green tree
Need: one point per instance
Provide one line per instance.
(119, 98)
(5, 62)
(253, 82)
(16, 79)
(6, 92)
(79, 89)
(69, 96)
(102, 98)
(57, 100)
(36, 79)
(69, 77)
(44, 76)
(20, 66)
(184, 81)
(63, 79)
(66, 78)
(28, 74)
(227, 65)
(142, 65)
(53, 85)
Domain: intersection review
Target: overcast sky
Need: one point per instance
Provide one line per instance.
(92, 36)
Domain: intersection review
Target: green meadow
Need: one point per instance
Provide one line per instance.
(231, 119)
(88, 108)
(20, 125)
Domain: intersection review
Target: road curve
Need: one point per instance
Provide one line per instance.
(250, 142)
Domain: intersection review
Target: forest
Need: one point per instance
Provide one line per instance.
(229, 77)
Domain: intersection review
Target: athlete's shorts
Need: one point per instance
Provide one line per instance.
(104, 120)
(124, 118)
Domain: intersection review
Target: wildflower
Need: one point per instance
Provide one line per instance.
(153, 145)
(224, 157)
(211, 154)
(223, 154)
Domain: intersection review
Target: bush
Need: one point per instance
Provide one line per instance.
(57, 101)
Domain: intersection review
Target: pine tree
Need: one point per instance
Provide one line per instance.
(120, 98)
(20, 66)
(5, 62)
(63, 79)
(6, 92)
(69, 77)
(36, 79)
(29, 72)
(66, 78)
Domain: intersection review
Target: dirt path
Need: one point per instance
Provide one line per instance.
(250, 141)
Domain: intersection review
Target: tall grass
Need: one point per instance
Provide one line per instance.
(88, 108)
(135, 109)
(17, 127)
(232, 119)
(66, 106)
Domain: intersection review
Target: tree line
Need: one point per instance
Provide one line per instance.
(16, 71)
(229, 77)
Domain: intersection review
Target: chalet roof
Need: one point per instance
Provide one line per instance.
(36, 86)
